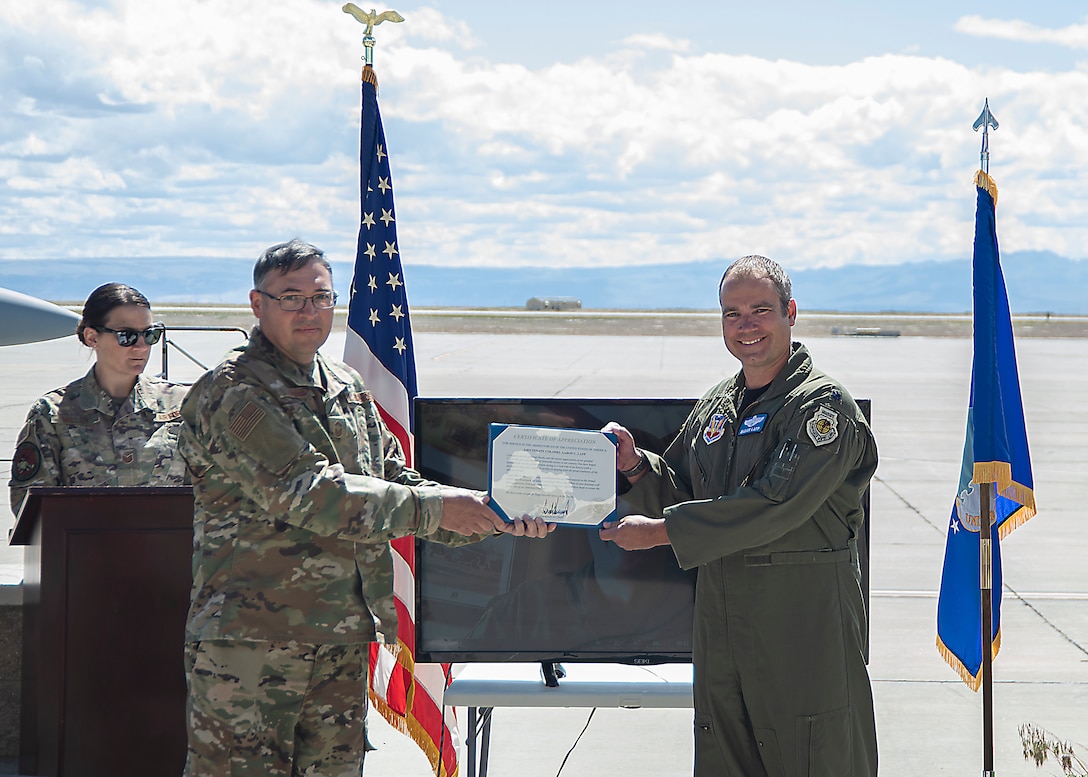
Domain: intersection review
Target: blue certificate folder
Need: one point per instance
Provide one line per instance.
(565, 476)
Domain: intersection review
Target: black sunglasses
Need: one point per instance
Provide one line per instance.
(126, 338)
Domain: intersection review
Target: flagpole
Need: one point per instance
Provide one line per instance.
(986, 586)
(986, 120)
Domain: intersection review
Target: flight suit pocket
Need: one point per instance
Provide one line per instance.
(823, 744)
(769, 752)
(775, 482)
(710, 759)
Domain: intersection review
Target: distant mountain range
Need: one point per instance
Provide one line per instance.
(1038, 282)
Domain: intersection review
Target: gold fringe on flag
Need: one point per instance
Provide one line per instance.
(984, 181)
(370, 77)
(973, 681)
(407, 724)
(1000, 472)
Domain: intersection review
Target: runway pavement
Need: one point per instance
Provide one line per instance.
(928, 721)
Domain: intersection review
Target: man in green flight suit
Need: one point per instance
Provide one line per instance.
(299, 487)
(762, 490)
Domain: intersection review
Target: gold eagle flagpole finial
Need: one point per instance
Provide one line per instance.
(371, 19)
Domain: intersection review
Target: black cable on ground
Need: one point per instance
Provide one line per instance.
(576, 741)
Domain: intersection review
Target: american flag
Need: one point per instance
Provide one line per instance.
(379, 346)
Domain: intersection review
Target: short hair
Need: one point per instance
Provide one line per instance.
(758, 267)
(104, 299)
(286, 257)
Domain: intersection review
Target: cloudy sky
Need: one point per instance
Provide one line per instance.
(567, 133)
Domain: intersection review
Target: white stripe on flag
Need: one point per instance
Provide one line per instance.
(384, 386)
(404, 585)
(449, 719)
(433, 680)
(383, 670)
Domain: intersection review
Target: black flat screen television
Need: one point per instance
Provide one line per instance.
(568, 597)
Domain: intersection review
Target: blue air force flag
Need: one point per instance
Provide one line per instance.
(995, 451)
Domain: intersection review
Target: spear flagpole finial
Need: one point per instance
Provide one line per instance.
(985, 120)
(371, 19)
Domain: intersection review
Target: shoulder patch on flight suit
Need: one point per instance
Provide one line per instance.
(243, 424)
(27, 462)
(823, 427)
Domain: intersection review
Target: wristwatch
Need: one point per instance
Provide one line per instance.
(642, 464)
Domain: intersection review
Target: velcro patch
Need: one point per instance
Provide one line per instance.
(246, 421)
(27, 462)
(753, 424)
(715, 428)
(823, 427)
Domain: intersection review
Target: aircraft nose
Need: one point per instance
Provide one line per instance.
(26, 319)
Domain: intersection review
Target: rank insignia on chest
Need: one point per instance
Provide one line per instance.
(753, 424)
(823, 427)
(715, 428)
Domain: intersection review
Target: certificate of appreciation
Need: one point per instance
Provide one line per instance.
(560, 475)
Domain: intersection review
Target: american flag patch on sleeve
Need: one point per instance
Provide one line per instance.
(246, 421)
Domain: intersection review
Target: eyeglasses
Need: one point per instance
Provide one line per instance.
(323, 300)
(126, 338)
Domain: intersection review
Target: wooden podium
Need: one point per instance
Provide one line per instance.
(107, 573)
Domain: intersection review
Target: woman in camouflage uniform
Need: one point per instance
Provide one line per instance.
(113, 426)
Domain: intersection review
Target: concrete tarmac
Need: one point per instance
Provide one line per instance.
(928, 721)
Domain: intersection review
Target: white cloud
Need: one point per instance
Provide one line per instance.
(172, 54)
(869, 162)
(1074, 36)
(151, 128)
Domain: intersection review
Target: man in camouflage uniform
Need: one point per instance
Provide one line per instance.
(762, 491)
(299, 488)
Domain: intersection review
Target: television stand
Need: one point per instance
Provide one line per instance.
(552, 672)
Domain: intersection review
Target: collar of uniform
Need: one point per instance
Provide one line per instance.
(340, 377)
(797, 368)
(146, 397)
(261, 347)
(93, 397)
